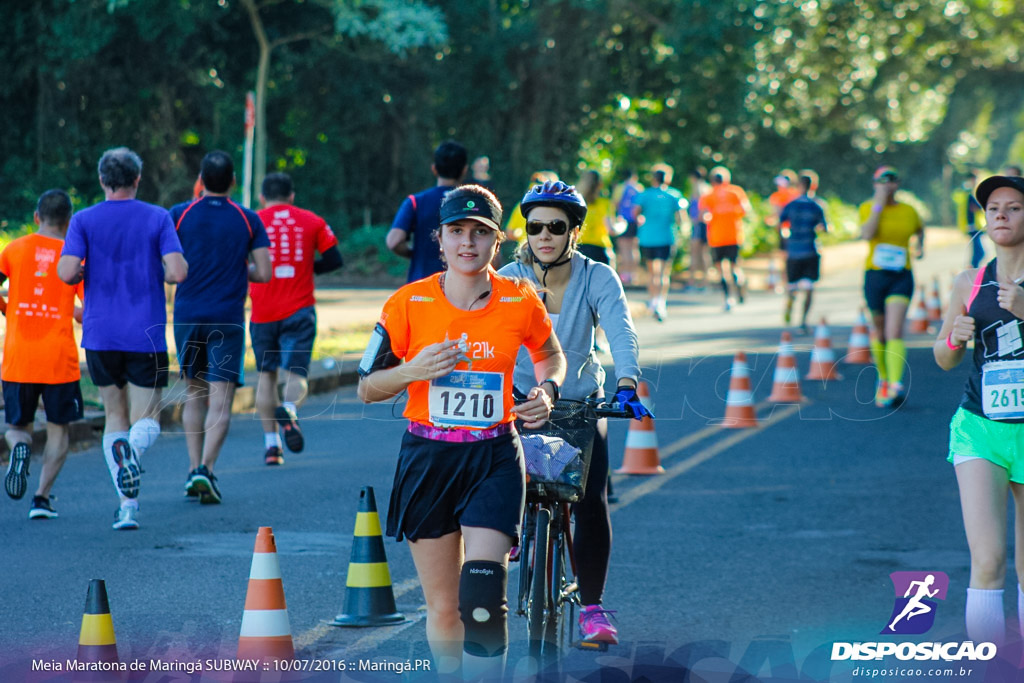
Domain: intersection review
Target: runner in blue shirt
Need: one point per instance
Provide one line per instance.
(660, 211)
(218, 236)
(800, 221)
(418, 216)
(125, 249)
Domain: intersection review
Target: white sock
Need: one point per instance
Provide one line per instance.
(108, 452)
(271, 439)
(986, 622)
(288, 405)
(1020, 608)
(142, 435)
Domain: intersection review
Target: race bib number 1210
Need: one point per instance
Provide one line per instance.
(465, 398)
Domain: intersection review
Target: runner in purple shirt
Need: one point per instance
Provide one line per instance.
(125, 250)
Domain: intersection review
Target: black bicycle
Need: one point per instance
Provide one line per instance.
(558, 460)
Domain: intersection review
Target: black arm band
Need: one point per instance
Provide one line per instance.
(378, 354)
(328, 261)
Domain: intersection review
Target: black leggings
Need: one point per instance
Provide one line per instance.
(592, 541)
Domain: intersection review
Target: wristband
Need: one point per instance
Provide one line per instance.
(555, 393)
(877, 208)
(950, 345)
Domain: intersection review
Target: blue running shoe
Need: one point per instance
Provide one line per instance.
(129, 474)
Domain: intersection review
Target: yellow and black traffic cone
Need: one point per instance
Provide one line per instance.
(96, 642)
(369, 599)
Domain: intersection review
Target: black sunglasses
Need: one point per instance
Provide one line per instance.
(555, 227)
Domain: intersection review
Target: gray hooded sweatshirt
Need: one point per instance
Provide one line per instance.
(593, 296)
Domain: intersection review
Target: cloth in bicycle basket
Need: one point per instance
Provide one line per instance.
(551, 459)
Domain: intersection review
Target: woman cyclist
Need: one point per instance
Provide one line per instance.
(986, 434)
(459, 488)
(579, 294)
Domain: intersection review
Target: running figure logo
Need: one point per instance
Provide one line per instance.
(914, 612)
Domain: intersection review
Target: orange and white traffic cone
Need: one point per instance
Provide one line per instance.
(919, 315)
(786, 384)
(739, 403)
(858, 351)
(823, 358)
(641, 456)
(934, 304)
(266, 633)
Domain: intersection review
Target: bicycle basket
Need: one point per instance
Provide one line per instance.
(558, 453)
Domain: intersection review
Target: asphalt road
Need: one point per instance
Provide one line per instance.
(753, 553)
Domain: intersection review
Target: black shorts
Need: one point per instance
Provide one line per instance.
(657, 253)
(285, 343)
(728, 252)
(62, 402)
(803, 268)
(879, 285)
(699, 233)
(440, 487)
(630, 231)
(212, 352)
(594, 252)
(147, 370)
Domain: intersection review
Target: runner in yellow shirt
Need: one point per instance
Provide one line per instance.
(889, 225)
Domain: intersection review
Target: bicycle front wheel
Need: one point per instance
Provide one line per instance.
(537, 608)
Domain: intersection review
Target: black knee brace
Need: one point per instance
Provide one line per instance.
(483, 608)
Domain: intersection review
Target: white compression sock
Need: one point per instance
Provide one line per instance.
(986, 622)
(271, 439)
(290, 406)
(142, 435)
(108, 454)
(1020, 608)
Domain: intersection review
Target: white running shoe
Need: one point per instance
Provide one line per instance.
(126, 518)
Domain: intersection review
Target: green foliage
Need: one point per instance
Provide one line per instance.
(367, 256)
(359, 92)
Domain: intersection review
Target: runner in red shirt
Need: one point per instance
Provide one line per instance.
(283, 323)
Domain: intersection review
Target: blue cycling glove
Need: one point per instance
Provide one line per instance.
(626, 395)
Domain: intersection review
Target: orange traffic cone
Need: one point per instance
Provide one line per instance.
(96, 642)
(823, 358)
(641, 456)
(786, 384)
(266, 633)
(858, 351)
(739, 403)
(919, 316)
(934, 305)
(369, 598)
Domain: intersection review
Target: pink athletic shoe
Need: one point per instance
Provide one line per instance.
(595, 627)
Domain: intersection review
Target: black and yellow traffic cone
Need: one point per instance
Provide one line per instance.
(96, 642)
(369, 599)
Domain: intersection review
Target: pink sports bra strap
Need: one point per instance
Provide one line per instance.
(978, 281)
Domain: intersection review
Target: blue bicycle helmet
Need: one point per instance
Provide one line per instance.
(556, 194)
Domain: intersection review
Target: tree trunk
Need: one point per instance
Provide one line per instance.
(262, 71)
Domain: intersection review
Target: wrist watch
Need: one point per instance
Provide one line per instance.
(555, 392)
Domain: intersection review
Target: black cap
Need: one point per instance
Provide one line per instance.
(993, 183)
(469, 205)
